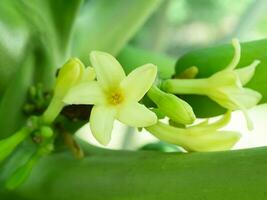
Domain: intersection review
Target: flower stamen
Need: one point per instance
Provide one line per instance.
(115, 98)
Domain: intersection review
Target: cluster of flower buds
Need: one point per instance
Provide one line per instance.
(41, 135)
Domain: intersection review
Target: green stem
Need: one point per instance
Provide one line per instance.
(146, 175)
(52, 111)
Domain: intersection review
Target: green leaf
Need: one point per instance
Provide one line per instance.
(146, 175)
(64, 15)
(108, 25)
(214, 59)
(44, 25)
(13, 41)
(11, 104)
(131, 57)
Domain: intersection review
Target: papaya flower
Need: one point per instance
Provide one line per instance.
(224, 87)
(114, 95)
(202, 137)
(70, 74)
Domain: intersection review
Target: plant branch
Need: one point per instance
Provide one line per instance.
(109, 174)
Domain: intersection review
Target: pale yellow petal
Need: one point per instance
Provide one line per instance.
(245, 74)
(136, 115)
(139, 81)
(101, 123)
(244, 100)
(89, 74)
(108, 70)
(246, 97)
(216, 141)
(237, 54)
(85, 93)
(194, 141)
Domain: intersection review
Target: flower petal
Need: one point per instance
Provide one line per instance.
(215, 141)
(101, 123)
(85, 93)
(237, 54)
(109, 72)
(139, 81)
(246, 97)
(136, 115)
(197, 140)
(244, 100)
(88, 74)
(205, 127)
(245, 74)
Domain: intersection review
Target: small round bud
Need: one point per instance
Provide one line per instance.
(46, 131)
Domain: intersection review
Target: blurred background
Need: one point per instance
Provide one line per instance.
(179, 26)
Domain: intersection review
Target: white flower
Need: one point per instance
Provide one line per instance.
(114, 95)
(224, 87)
(201, 137)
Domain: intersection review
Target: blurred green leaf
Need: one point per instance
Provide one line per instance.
(108, 25)
(13, 40)
(148, 175)
(44, 25)
(214, 59)
(44, 28)
(14, 97)
(131, 57)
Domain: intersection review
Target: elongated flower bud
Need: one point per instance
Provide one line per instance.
(70, 74)
(202, 137)
(9, 144)
(22, 173)
(175, 108)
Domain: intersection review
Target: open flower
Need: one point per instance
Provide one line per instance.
(224, 87)
(201, 137)
(114, 95)
(70, 74)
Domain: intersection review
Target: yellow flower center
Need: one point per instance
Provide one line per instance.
(115, 97)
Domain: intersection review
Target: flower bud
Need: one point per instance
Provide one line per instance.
(173, 107)
(8, 145)
(70, 73)
(202, 137)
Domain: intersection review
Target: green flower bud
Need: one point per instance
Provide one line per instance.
(46, 132)
(8, 145)
(71, 73)
(172, 106)
(22, 173)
